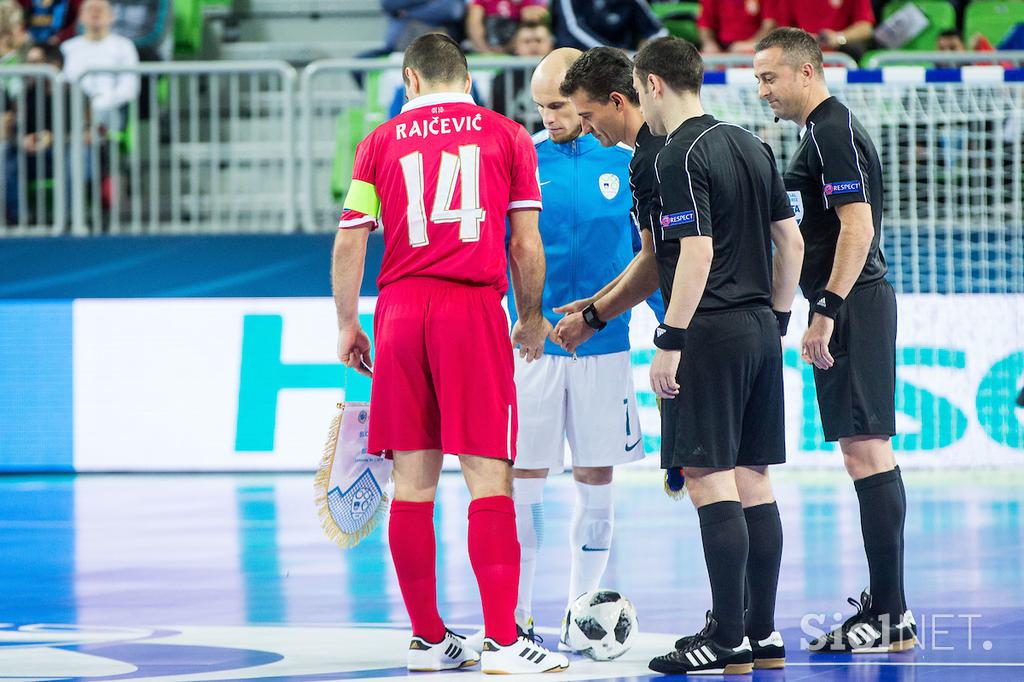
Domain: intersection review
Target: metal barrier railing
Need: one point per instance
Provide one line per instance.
(205, 147)
(713, 62)
(1013, 58)
(214, 146)
(33, 139)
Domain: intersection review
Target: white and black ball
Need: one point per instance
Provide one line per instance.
(600, 624)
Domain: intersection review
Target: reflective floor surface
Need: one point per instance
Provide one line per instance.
(229, 577)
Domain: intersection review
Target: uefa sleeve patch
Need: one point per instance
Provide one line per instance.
(843, 187)
(681, 218)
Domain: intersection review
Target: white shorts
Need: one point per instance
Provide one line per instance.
(588, 401)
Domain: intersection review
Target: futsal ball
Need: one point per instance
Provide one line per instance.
(600, 624)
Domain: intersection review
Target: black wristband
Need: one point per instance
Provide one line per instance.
(591, 318)
(783, 319)
(669, 338)
(828, 304)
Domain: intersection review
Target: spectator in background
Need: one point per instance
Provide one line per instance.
(950, 41)
(839, 25)
(13, 38)
(409, 19)
(490, 24)
(510, 92)
(34, 139)
(732, 25)
(149, 24)
(625, 24)
(99, 47)
(51, 21)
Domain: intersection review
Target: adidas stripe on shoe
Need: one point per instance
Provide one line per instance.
(522, 656)
(448, 654)
(700, 654)
(868, 633)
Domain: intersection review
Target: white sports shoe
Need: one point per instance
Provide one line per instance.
(475, 641)
(448, 654)
(522, 656)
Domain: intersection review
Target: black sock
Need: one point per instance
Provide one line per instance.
(723, 531)
(903, 525)
(764, 528)
(881, 519)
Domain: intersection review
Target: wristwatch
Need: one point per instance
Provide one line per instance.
(591, 318)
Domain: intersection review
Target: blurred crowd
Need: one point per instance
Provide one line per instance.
(723, 26)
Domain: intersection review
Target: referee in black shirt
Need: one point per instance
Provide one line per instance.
(835, 183)
(718, 367)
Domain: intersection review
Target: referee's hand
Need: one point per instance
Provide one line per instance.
(664, 367)
(814, 345)
(571, 331)
(354, 350)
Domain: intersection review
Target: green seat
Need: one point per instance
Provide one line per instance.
(941, 16)
(993, 19)
(680, 18)
(188, 27)
(353, 125)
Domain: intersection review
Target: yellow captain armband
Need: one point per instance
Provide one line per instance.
(362, 197)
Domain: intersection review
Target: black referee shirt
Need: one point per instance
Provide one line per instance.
(646, 205)
(717, 179)
(835, 164)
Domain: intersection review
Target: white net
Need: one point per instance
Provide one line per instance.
(952, 162)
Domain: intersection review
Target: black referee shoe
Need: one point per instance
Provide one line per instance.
(702, 655)
(868, 633)
(769, 653)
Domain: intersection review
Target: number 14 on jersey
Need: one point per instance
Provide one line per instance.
(466, 168)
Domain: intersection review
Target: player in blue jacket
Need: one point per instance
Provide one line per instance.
(586, 397)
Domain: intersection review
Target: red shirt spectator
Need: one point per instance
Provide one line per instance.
(487, 21)
(724, 23)
(834, 22)
(509, 9)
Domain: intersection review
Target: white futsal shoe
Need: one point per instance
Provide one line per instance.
(522, 656)
(448, 654)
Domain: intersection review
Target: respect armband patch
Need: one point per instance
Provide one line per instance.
(675, 219)
(843, 187)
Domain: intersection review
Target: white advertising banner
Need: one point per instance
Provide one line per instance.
(251, 384)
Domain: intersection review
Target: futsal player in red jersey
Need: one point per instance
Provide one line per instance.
(441, 178)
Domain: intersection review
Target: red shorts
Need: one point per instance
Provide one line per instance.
(443, 371)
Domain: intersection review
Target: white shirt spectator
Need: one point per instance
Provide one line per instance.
(107, 92)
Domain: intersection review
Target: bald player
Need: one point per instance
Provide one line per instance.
(586, 397)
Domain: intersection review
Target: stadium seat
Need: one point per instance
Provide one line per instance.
(188, 27)
(993, 19)
(941, 16)
(680, 18)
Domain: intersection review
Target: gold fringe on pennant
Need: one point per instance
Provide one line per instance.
(674, 494)
(321, 485)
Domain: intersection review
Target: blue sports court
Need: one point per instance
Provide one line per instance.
(229, 577)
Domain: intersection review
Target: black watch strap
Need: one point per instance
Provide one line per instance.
(591, 318)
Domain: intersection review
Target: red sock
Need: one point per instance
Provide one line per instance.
(411, 534)
(494, 553)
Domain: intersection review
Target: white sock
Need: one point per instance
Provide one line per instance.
(590, 537)
(528, 495)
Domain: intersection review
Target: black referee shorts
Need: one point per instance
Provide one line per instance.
(857, 396)
(729, 411)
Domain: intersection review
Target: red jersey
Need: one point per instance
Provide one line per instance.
(815, 15)
(731, 20)
(510, 9)
(441, 178)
